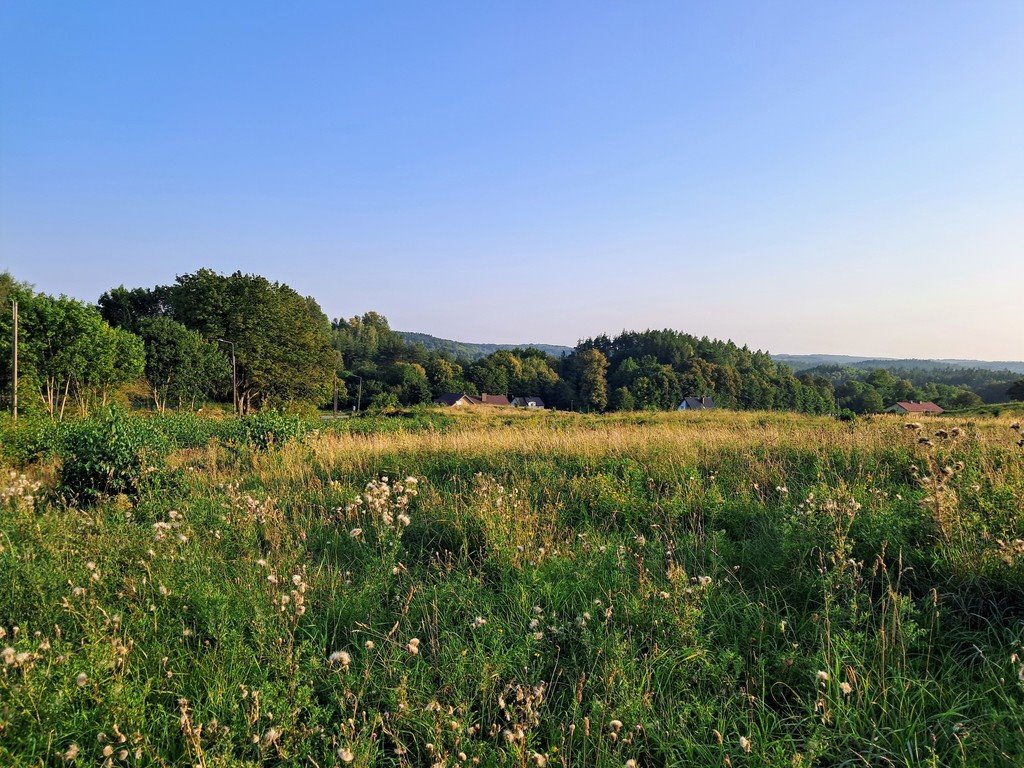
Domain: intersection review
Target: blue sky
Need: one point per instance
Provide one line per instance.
(802, 177)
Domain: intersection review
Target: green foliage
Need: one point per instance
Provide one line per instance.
(282, 340)
(266, 429)
(590, 368)
(664, 595)
(68, 355)
(108, 455)
(182, 368)
(866, 389)
(1016, 391)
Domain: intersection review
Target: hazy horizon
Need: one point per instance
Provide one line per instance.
(800, 178)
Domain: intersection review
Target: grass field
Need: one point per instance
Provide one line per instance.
(508, 589)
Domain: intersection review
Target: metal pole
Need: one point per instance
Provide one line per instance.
(14, 393)
(335, 395)
(359, 397)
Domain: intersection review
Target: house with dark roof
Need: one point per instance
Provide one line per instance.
(915, 407)
(527, 402)
(696, 404)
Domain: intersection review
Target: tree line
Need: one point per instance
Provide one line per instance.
(174, 343)
(870, 390)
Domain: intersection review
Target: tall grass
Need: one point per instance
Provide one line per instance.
(530, 589)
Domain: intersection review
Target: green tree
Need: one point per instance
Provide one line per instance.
(67, 353)
(282, 340)
(622, 400)
(1016, 391)
(593, 387)
(181, 366)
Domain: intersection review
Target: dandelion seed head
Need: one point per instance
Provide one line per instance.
(340, 657)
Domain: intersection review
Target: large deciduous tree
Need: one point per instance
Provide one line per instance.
(282, 340)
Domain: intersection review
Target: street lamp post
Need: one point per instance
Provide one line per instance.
(234, 374)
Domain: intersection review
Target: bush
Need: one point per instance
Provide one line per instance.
(108, 455)
(268, 428)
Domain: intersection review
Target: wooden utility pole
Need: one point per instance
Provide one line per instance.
(14, 355)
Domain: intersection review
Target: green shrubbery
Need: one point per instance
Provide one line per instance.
(109, 455)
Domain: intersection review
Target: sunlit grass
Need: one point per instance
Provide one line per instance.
(505, 588)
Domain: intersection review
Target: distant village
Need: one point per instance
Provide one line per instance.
(461, 399)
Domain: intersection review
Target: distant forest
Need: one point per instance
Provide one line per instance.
(465, 350)
(244, 339)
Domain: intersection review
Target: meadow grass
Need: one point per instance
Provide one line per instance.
(507, 589)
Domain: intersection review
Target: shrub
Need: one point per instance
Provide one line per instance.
(109, 454)
(268, 428)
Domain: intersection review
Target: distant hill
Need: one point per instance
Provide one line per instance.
(803, 362)
(465, 350)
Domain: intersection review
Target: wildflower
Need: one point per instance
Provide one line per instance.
(369, 645)
(631, 763)
(822, 676)
(71, 753)
(164, 591)
(8, 655)
(478, 622)
(664, 595)
(108, 751)
(745, 744)
(703, 581)
(539, 759)
(346, 755)
(81, 679)
(271, 736)
(355, 533)
(615, 725)
(296, 579)
(414, 646)
(340, 657)
(846, 688)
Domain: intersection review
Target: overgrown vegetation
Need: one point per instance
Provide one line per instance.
(522, 589)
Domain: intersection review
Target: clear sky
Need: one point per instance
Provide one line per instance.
(802, 177)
